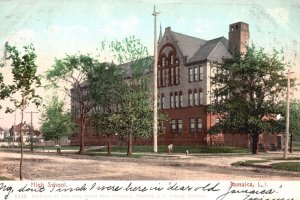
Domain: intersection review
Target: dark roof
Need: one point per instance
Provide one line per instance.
(25, 127)
(197, 49)
(127, 69)
(206, 49)
(188, 45)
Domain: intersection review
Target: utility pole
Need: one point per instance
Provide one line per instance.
(31, 131)
(287, 122)
(155, 86)
(14, 129)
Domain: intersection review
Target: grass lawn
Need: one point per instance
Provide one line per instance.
(2, 178)
(289, 166)
(296, 146)
(249, 162)
(176, 149)
(54, 148)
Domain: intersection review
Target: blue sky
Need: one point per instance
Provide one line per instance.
(60, 27)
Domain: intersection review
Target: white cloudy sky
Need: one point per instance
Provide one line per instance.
(60, 27)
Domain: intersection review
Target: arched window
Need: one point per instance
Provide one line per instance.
(196, 98)
(176, 99)
(200, 97)
(191, 98)
(180, 99)
(162, 101)
(172, 59)
(171, 100)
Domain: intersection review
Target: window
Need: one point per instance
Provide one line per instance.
(173, 126)
(172, 76)
(163, 77)
(171, 101)
(167, 77)
(190, 98)
(158, 78)
(162, 101)
(176, 100)
(199, 125)
(195, 73)
(200, 97)
(179, 125)
(180, 99)
(172, 59)
(191, 76)
(163, 61)
(176, 126)
(217, 120)
(176, 75)
(200, 73)
(192, 125)
(196, 99)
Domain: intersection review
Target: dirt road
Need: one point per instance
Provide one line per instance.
(40, 166)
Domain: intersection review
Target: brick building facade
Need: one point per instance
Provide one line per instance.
(184, 89)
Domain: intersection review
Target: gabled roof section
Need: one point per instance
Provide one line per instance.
(188, 45)
(207, 48)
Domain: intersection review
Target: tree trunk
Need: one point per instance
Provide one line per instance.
(255, 139)
(21, 140)
(108, 146)
(82, 132)
(129, 149)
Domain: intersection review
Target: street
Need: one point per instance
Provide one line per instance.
(45, 166)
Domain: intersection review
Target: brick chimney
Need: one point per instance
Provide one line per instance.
(238, 37)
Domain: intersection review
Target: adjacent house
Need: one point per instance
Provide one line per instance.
(2, 134)
(26, 132)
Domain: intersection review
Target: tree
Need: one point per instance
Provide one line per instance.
(247, 89)
(73, 70)
(294, 119)
(5, 90)
(135, 109)
(25, 81)
(106, 89)
(56, 122)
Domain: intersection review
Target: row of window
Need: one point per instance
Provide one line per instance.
(176, 99)
(195, 125)
(195, 97)
(168, 76)
(196, 74)
(165, 61)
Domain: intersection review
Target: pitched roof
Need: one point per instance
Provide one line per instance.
(205, 50)
(188, 45)
(25, 127)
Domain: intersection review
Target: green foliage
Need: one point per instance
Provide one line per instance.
(72, 71)
(25, 80)
(289, 166)
(248, 88)
(294, 117)
(56, 122)
(130, 51)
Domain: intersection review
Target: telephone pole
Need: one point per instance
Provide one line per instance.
(155, 86)
(31, 131)
(287, 120)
